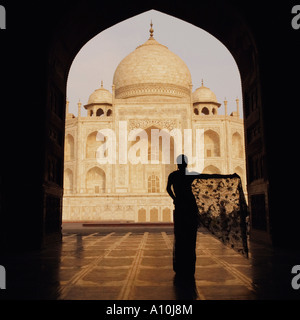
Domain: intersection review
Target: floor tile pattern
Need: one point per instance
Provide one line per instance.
(136, 264)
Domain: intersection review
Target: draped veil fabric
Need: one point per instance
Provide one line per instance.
(222, 208)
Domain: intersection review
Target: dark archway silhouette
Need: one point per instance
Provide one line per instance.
(54, 40)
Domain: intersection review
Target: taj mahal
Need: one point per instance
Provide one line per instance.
(152, 90)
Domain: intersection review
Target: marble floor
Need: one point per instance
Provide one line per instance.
(136, 264)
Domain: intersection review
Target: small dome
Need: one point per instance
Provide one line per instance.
(100, 96)
(152, 69)
(204, 94)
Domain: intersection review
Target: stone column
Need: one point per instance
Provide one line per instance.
(78, 150)
(237, 107)
(225, 105)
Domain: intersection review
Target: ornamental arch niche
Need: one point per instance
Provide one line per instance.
(237, 146)
(211, 144)
(211, 169)
(95, 180)
(69, 148)
(92, 145)
(68, 181)
(99, 112)
(67, 27)
(205, 111)
(142, 215)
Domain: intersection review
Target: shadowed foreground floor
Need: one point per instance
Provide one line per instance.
(127, 263)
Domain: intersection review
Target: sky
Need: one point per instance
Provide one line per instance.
(206, 57)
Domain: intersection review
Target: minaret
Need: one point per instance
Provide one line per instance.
(237, 108)
(79, 108)
(225, 105)
(113, 89)
(67, 107)
(227, 144)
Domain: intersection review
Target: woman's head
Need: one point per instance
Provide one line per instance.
(182, 161)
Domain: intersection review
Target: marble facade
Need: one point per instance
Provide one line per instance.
(152, 89)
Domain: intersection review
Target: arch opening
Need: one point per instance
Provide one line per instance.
(214, 151)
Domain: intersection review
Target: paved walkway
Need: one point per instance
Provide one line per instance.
(136, 264)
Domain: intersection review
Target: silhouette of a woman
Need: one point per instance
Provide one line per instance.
(185, 218)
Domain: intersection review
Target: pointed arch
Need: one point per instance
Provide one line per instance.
(205, 111)
(68, 181)
(69, 147)
(95, 180)
(211, 170)
(211, 144)
(92, 145)
(237, 146)
(166, 215)
(154, 215)
(163, 153)
(99, 112)
(142, 215)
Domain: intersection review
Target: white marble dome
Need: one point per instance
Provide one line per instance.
(204, 94)
(100, 96)
(152, 69)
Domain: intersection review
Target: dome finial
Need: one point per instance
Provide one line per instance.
(101, 83)
(202, 83)
(151, 30)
